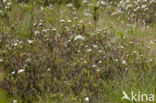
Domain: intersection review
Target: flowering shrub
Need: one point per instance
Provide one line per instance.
(64, 60)
(72, 53)
(138, 11)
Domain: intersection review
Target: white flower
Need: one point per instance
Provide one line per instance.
(27, 60)
(21, 70)
(87, 99)
(81, 21)
(15, 44)
(94, 66)
(36, 32)
(95, 46)
(103, 3)
(45, 31)
(86, 46)
(69, 21)
(97, 70)
(4, 1)
(87, 14)
(48, 69)
(69, 40)
(53, 29)
(116, 60)
(69, 5)
(9, 3)
(40, 24)
(75, 18)
(78, 51)
(124, 62)
(143, 6)
(62, 21)
(1, 60)
(34, 24)
(30, 41)
(89, 50)
(131, 42)
(13, 72)
(20, 42)
(100, 62)
(148, 48)
(100, 51)
(42, 8)
(84, 1)
(151, 42)
(126, 69)
(134, 52)
(85, 61)
(122, 47)
(79, 37)
(14, 101)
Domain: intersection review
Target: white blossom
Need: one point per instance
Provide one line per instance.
(30, 41)
(20, 71)
(48, 69)
(124, 62)
(4, 1)
(15, 44)
(14, 101)
(151, 42)
(97, 70)
(40, 24)
(122, 47)
(13, 72)
(87, 99)
(89, 50)
(116, 60)
(62, 21)
(54, 29)
(1, 60)
(134, 52)
(100, 62)
(44, 30)
(69, 21)
(69, 5)
(94, 66)
(36, 32)
(79, 37)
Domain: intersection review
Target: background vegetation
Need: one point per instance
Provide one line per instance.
(73, 51)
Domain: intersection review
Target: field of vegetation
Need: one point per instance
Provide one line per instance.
(77, 51)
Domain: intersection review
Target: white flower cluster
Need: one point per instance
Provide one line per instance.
(139, 11)
(7, 4)
(79, 37)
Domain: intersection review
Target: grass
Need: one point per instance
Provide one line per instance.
(59, 55)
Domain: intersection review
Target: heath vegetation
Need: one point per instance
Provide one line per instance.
(76, 51)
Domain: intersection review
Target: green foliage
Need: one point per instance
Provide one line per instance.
(95, 12)
(60, 54)
(77, 3)
(3, 96)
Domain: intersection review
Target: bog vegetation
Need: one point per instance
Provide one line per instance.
(76, 51)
